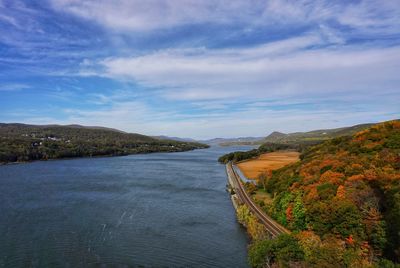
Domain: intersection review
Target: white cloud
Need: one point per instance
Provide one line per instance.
(136, 15)
(202, 92)
(137, 117)
(8, 19)
(285, 68)
(13, 87)
(372, 15)
(151, 14)
(217, 118)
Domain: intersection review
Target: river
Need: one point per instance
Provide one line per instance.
(151, 210)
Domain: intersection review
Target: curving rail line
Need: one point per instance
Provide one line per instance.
(272, 226)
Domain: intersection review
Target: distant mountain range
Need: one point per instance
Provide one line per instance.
(216, 141)
(274, 137)
(229, 141)
(296, 137)
(162, 137)
(315, 135)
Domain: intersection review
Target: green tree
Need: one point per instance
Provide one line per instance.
(299, 213)
(282, 250)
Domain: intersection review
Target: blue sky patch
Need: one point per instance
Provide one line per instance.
(200, 69)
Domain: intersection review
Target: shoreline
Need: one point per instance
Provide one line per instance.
(244, 205)
(86, 157)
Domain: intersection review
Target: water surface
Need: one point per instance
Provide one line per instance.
(154, 210)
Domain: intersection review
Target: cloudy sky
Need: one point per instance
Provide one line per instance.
(200, 69)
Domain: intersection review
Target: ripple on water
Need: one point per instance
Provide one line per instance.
(157, 210)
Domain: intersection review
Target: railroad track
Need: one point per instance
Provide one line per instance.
(271, 225)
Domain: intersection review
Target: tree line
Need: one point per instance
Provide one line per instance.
(27, 143)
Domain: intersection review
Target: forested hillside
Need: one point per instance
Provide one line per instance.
(299, 138)
(298, 141)
(315, 135)
(341, 201)
(19, 142)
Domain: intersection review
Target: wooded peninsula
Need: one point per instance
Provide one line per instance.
(20, 142)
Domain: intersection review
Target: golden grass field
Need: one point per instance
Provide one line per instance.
(269, 161)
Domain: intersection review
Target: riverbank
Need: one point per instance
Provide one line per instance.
(247, 172)
(100, 156)
(244, 216)
(243, 197)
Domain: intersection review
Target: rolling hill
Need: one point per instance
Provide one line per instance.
(310, 137)
(298, 141)
(21, 142)
(315, 135)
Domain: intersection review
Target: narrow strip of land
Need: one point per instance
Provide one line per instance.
(272, 226)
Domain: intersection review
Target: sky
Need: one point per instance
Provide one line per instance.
(200, 69)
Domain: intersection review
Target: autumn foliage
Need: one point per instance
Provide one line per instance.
(342, 200)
